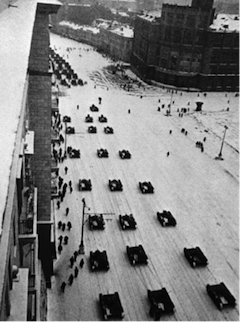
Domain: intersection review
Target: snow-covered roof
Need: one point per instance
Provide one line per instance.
(124, 31)
(148, 16)
(78, 5)
(16, 27)
(225, 22)
(178, 2)
(72, 25)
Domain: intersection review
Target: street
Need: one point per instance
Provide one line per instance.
(202, 194)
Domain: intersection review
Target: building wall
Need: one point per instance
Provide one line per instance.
(186, 48)
(39, 100)
(9, 247)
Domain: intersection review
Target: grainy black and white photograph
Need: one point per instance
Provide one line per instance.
(119, 132)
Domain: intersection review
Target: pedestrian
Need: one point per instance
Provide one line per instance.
(81, 263)
(60, 238)
(170, 132)
(65, 240)
(76, 271)
(129, 111)
(70, 183)
(186, 132)
(63, 226)
(63, 285)
(61, 196)
(60, 248)
(67, 211)
(66, 169)
(69, 225)
(58, 204)
(71, 189)
(204, 139)
(77, 107)
(75, 255)
(168, 153)
(71, 261)
(70, 279)
(59, 224)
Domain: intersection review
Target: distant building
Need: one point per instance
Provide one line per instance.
(116, 40)
(187, 46)
(26, 234)
(109, 36)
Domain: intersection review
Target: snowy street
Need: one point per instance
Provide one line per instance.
(202, 194)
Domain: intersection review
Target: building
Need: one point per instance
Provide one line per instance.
(108, 36)
(189, 47)
(26, 238)
(116, 40)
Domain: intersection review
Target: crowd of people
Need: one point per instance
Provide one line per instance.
(64, 186)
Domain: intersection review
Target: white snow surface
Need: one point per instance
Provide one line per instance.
(14, 54)
(202, 193)
(16, 26)
(222, 20)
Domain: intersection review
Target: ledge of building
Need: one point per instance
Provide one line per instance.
(19, 297)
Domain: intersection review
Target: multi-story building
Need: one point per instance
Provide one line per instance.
(109, 36)
(116, 40)
(26, 243)
(187, 47)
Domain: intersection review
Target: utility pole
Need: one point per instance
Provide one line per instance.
(219, 157)
(81, 246)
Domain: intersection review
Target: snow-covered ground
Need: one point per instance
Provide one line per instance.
(202, 193)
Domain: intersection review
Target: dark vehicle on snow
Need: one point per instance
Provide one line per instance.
(125, 154)
(102, 153)
(161, 303)
(96, 222)
(75, 154)
(99, 261)
(195, 257)
(85, 185)
(127, 222)
(137, 255)
(92, 129)
(115, 185)
(146, 187)
(70, 130)
(94, 108)
(166, 218)
(111, 306)
(88, 119)
(102, 119)
(66, 119)
(108, 130)
(221, 295)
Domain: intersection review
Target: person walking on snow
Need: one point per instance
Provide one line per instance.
(63, 285)
(67, 211)
(66, 169)
(76, 271)
(81, 263)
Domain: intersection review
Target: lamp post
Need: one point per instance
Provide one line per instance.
(81, 246)
(219, 157)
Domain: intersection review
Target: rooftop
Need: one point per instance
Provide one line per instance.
(225, 22)
(16, 27)
(72, 25)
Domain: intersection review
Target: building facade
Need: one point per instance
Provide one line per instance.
(111, 37)
(182, 48)
(26, 243)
